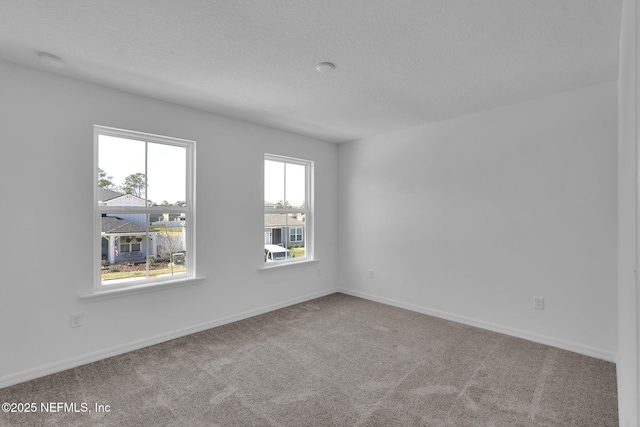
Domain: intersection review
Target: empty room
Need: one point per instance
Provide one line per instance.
(335, 213)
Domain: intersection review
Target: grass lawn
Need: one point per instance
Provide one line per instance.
(170, 230)
(106, 275)
(297, 252)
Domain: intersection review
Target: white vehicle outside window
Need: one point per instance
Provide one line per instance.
(288, 209)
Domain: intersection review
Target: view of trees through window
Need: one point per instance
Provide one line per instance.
(285, 208)
(142, 209)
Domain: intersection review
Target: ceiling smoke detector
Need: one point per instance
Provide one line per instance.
(50, 60)
(325, 67)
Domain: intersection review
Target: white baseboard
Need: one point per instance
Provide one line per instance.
(554, 342)
(73, 362)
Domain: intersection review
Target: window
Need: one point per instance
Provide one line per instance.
(129, 243)
(295, 234)
(144, 208)
(288, 213)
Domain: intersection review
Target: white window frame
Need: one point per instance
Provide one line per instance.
(129, 245)
(299, 237)
(307, 211)
(99, 289)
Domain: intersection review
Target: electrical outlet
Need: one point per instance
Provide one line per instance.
(319, 271)
(538, 303)
(75, 320)
(370, 274)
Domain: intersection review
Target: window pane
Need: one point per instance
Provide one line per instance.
(124, 248)
(295, 234)
(121, 168)
(162, 246)
(169, 239)
(275, 226)
(295, 185)
(273, 184)
(166, 174)
(297, 245)
(138, 241)
(284, 237)
(276, 238)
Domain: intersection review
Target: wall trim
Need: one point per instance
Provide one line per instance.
(84, 359)
(542, 339)
(74, 362)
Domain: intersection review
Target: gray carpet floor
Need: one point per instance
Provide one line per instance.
(333, 361)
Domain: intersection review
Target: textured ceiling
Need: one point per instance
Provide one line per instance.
(399, 63)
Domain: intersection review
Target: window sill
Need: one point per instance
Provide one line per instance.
(133, 290)
(287, 265)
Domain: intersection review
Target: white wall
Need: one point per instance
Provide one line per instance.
(46, 168)
(467, 218)
(470, 218)
(628, 363)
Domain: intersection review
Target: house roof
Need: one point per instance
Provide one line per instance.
(115, 225)
(105, 194)
(278, 221)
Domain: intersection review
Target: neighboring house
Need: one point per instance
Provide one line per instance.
(108, 197)
(177, 242)
(126, 241)
(277, 231)
(270, 204)
(170, 220)
(124, 236)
